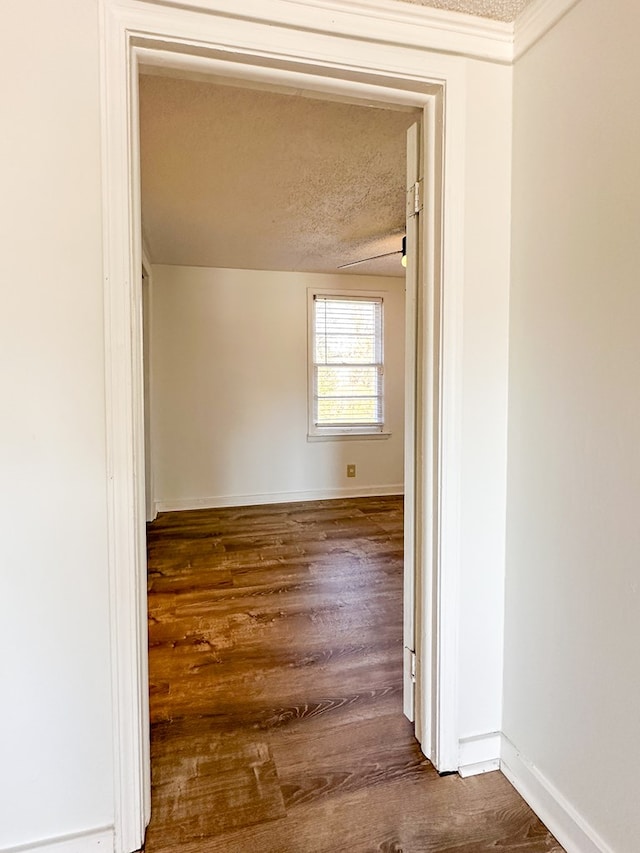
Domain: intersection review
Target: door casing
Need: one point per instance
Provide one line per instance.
(338, 65)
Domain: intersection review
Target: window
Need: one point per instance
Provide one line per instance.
(346, 375)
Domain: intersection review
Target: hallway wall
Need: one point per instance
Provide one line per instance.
(572, 683)
(55, 735)
(484, 372)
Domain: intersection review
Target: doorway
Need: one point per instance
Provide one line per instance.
(436, 624)
(230, 347)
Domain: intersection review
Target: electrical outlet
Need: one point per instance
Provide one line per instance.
(351, 470)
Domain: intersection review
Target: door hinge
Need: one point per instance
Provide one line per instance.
(413, 667)
(415, 199)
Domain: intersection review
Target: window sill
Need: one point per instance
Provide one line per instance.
(350, 435)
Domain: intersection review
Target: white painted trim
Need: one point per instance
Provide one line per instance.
(157, 61)
(351, 64)
(536, 20)
(442, 600)
(480, 767)
(125, 441)
(381, 20)
(568, 826)
(276, 497)
(353, 431)
(350, 436)
(93, 841)
(479, 754)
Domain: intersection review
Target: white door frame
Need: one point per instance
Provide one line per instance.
(294, 45)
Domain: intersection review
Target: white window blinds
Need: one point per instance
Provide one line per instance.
(348, 362)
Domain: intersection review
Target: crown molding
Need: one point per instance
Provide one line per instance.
(496, 33)
(382, 21)
(393, 22)
(536, 20)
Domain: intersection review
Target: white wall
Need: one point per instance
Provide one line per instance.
(55, 730)
(229, 376)
(572, 680)
(484, 405)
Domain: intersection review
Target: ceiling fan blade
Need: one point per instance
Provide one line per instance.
(372, 258)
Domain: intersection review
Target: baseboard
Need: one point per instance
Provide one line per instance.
(571, 830)
(276, 498)
(479, 754)
(94, 841)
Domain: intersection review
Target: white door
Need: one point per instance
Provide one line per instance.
(412, 456)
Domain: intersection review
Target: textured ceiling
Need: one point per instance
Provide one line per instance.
(233, 177)
(499, 10)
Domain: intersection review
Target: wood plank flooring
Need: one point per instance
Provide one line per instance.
(276, 693)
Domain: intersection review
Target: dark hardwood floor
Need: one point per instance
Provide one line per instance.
(276, 693)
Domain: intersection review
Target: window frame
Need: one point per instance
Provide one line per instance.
(358, 431)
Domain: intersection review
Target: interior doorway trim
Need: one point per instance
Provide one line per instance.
(210, 40)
